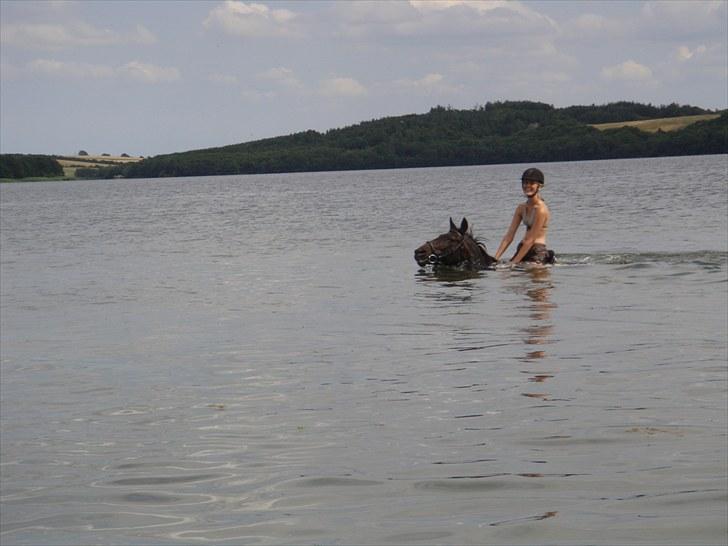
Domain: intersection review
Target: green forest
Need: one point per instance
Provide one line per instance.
(494, 133)
(504, 132)
(29, 166)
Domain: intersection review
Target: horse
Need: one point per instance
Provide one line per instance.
(456, 248)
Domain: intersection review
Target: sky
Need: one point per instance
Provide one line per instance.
(152, 77)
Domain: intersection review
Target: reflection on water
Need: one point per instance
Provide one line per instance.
(536, 285)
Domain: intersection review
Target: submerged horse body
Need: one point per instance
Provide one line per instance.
(456, 248)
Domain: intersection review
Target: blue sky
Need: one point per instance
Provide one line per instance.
(146, 77)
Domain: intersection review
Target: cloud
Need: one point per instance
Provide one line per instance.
(459, 18)
(252, 20)
(684, 53)
(342, 87)
(702, 65)
(74, 70)
(134, 70)
(76, 34)
(679, 11)
(282, 76)
(226, 79)
(627, 71)
(428, 84)
(479, 6)
(654, 21)
(592, 26)
(680, 19)
(429, 80)
(149, 73)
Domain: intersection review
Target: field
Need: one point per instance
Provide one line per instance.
(71, 163)
(654, 125)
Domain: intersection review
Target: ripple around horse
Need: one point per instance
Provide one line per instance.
(457, 248)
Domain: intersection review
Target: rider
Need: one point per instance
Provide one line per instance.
(535, 215)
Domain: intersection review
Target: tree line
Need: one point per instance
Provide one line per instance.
(493, 133)
(29, 166)
(501, 132)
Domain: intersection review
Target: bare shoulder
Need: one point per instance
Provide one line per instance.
(541, 207)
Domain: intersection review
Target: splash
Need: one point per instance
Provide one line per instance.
(705, 258)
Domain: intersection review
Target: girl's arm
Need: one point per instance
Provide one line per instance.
(508, 237)
(528, 240)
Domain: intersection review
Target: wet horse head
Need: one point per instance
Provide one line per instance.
(456, 248)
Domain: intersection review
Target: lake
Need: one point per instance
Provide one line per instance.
(259, 360)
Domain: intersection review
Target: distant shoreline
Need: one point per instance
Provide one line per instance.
(67, 179)
(497, 133)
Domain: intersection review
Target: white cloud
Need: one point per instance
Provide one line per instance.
(282, 76)
(592, 26)
(684, 53)
(703, 65)
(74, 70)
(627, 71)
(342, 87)
(251, 20)
(149, 73)
(441, 17)
(365, 18)
(429, 80)
(428, 85)
(480, 6)
(685, 18)
(135, 70)
(683, 10)
(76, 34)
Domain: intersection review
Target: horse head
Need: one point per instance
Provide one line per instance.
(456, 248)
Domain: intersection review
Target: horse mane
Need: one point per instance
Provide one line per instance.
(480, 244)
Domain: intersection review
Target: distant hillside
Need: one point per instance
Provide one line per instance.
(44, 167)
(502, 132)
(496, 133)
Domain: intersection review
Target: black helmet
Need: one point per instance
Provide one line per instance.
(533, 174)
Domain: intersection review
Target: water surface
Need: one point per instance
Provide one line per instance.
(258, 360)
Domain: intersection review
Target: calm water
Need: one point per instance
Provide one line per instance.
(259, 360)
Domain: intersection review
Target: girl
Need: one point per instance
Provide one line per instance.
(535, 215)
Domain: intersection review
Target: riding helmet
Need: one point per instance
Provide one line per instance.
(533, 174)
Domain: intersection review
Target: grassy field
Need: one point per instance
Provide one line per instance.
(71, 163)
(654, 125)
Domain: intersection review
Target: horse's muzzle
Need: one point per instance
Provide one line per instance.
(424, 255)
(421, 255)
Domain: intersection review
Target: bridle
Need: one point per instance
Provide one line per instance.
(435, 258)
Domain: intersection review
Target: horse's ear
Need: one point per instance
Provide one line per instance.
(464, 226)
(453, 227)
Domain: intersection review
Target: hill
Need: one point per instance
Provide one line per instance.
(502, 132)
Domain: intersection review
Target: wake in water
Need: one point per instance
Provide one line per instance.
(709, 260)
(705, 258)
